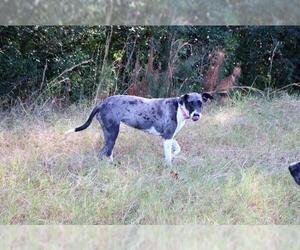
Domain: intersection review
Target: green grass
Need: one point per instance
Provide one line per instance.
(232, 169)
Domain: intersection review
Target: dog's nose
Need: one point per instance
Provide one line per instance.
(196, 117)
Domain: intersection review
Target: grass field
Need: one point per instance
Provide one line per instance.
(232, 169)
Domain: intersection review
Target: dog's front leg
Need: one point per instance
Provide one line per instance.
(176, 147)
(168, 151)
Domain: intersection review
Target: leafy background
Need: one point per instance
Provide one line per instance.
(42, 62)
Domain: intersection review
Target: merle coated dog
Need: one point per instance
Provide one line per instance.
(295, 171)
(163, 117)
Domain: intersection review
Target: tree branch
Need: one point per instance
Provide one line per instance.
(70, 69)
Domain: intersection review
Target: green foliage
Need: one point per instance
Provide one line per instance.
(37, 61)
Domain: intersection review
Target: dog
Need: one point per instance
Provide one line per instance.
(163, 117)
(295, 171)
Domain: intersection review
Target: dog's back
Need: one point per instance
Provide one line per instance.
(138, 112)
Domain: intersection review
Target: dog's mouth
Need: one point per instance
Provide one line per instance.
(196, 117)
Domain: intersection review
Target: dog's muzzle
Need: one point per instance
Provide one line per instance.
(196, 117)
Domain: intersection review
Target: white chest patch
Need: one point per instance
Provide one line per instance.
(152, 131)
(180, 121)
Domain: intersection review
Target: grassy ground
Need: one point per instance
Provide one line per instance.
(232, 169)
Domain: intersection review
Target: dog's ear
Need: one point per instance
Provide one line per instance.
(183, 99)
(206, 96)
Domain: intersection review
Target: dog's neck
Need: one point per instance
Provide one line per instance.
(184, 111)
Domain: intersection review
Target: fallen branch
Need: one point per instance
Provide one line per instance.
(70, 69)
(295, 84)
(257, 90)
(241, 87)
(61, 74)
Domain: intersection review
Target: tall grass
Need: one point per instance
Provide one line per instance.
(232, 169)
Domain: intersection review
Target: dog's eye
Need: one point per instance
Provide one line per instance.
(199, 102)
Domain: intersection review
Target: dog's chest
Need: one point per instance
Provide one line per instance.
(180, 121)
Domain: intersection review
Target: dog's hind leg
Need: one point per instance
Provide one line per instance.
(110, 132)
(110, 136)
(176, 147)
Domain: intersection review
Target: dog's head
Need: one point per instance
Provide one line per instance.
(295, 171)
(193, 103)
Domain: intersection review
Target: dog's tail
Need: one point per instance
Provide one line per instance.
(87, 123)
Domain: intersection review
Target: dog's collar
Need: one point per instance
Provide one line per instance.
(184, 111)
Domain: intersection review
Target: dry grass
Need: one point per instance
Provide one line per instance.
(234, 171)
